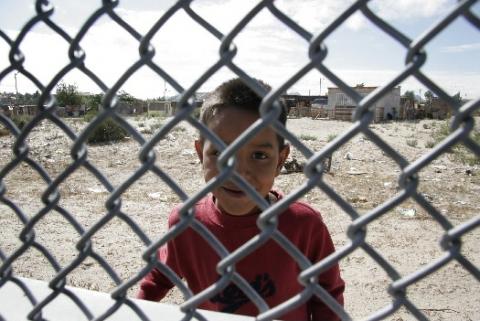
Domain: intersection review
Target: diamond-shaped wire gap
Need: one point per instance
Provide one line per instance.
(269, 50)
(72, 23)
(184, 49)
(14, 22)
(419, 19)
(121, 249)
(455, 292)
(314, 16)
(452, 57)
(110, 50)
(370, 57)
(223, 22)
(24, 187)
(9, 240)
(45, 53)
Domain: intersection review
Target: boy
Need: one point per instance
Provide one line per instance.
(230, 214)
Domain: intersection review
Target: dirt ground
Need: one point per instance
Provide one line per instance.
(407, 236)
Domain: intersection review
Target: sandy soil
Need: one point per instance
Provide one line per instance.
(407, 236)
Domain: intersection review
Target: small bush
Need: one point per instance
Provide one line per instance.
(156, 125)
(412, 142)
(441, 132)
(307, 137)
(90, 115)
(429, 144)
(180, 129)
(4, 131)
(21, 120)
(331, 137)
(196, 113)
(107, 131)
(155, 114)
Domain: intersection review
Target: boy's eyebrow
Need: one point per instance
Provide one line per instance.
(264, 145)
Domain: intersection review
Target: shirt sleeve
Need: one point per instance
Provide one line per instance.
(330, 280)
(155, 285)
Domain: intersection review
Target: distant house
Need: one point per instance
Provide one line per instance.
(408, 108)
(304, 106)
(437, 109)
(341, 106)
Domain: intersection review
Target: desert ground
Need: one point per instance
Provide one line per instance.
(407, 236)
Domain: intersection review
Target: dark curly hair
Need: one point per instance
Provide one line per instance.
(234, 93)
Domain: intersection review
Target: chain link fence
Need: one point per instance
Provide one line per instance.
(408, 180)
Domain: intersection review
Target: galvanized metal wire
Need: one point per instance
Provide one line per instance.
(415, 58)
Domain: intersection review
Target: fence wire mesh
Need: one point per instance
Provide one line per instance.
(408, 180)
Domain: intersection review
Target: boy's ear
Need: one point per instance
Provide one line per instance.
(199, 149)
(283, 155)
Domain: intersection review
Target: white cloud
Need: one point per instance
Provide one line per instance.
(461, 48)
(267, 48)
(410, 9)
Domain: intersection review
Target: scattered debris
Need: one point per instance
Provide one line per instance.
(294, 166)
(408, 212)
(439, 168)
(357, 199)
(155, 195)
(428, 197)
(96, 190)
(354, 171)
(188, 152)
(349, 156)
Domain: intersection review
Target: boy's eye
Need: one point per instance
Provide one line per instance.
(259, 155)
(215, 153)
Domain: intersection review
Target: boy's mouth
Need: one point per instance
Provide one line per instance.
(233, 191)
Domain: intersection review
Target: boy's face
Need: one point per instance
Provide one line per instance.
(258, 161)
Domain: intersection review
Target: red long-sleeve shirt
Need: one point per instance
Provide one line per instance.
(269, 269)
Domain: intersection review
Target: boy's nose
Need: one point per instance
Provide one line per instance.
(242, 169)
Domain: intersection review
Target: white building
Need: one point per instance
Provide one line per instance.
(387, 107)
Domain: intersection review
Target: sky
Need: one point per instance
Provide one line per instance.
(358, 51)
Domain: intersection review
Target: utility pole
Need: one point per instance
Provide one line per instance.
(164, 90)
(320, 86)
(16, 87)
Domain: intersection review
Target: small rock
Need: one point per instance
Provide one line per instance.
(155, 196)
(427, 197)
(188, 152)
(293, 166)
(354, 171)
(95, 190)
(357, 199)
(408, 212)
